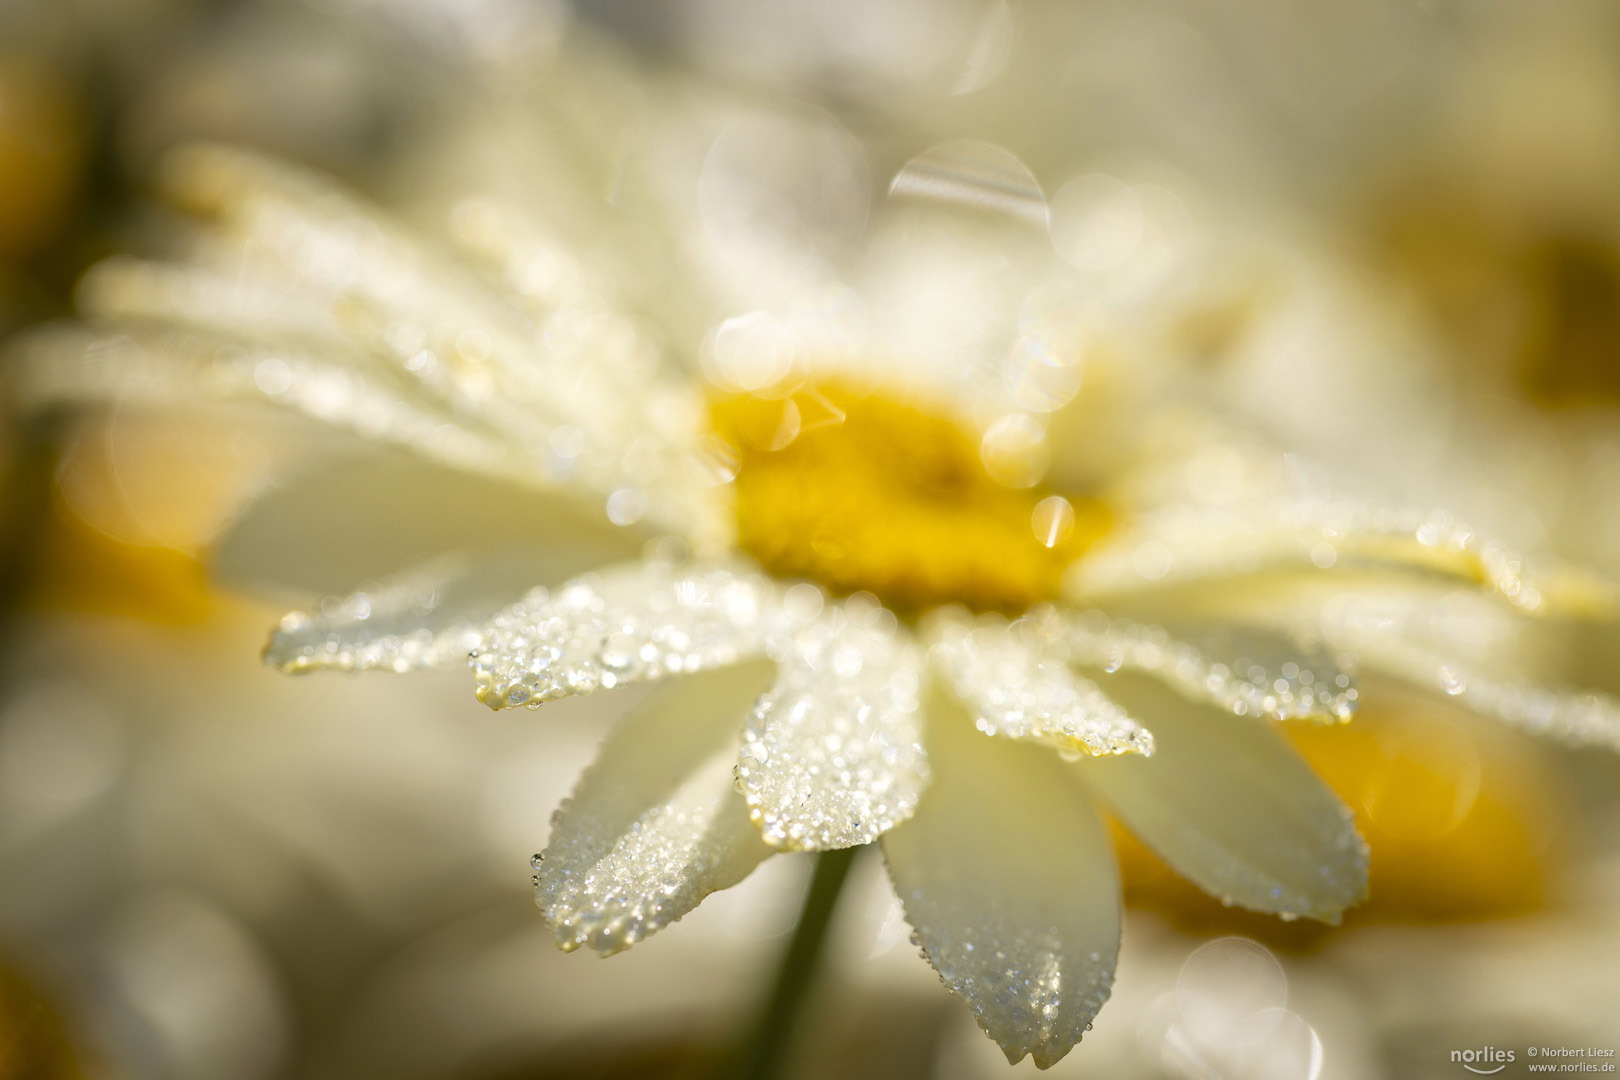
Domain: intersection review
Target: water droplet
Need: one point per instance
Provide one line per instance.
(626, 506)
(973, 175)
(1052, 520)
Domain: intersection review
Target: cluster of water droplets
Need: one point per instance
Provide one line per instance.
(1023, 983)
(610, 895)
(1018, 685)
(627, 624)
(832, 755)
(399, 626)
(1247, 672)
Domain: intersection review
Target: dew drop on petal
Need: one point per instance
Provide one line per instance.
(1052, 520)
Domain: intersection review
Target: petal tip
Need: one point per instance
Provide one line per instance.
(1049, 1054)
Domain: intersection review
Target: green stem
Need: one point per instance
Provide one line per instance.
(762, 1056)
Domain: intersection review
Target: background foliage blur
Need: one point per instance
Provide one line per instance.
(209, 871)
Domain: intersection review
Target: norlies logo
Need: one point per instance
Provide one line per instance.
(1483, 1058)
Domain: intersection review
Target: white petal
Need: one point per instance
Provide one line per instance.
(427, 617)
(1459, 646)
(336, 523)
(1232, 808)
(1244, 671)
(833, 757)
(73, 365)
(1015, 680)
(1188, 541)
(1007, 875)
(584, 380)
(238, 297)
(655, 824)
(627, 624)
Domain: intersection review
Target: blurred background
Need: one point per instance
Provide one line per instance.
(210, 871)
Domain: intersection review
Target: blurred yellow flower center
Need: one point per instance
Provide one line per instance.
(865, 492)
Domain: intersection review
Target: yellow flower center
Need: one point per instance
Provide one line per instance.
(864, 492)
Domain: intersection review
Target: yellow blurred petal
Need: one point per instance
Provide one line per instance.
(41, 150)
(1230, 806)
(1458, 814)
(1007, 875)
(81, 568)
(655, 824)
(35, 1044)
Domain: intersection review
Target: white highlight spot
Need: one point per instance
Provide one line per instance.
(1096, 222)
(1151, 559)
(1014, 451)
(626, 506)
(1052, 520)
(749, 352)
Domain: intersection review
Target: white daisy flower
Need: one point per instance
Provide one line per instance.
(870, 619)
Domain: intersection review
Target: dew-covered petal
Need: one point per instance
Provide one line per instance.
(1008, 877)
(74, 365)
(1017, 683)
(325, 527)
(832, 756)
(224, 292)
(1463, 647)
(300, 294)
(629, 623)
(1189, 541)
(1232, 808)
(582, 388)
(329, 241)
(655, 824)
(1250, 672)
(1577, 717)
(427, 617)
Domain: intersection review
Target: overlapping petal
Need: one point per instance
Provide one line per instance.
(74, 365)
(1007, 875)
(1017, 683)
(337, 523)
(428, 617)
(832, 756)
(655, 824)
(1232, 808)
(630, 623)
(1464, 650)
(1249, 672)
(1194, 541)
